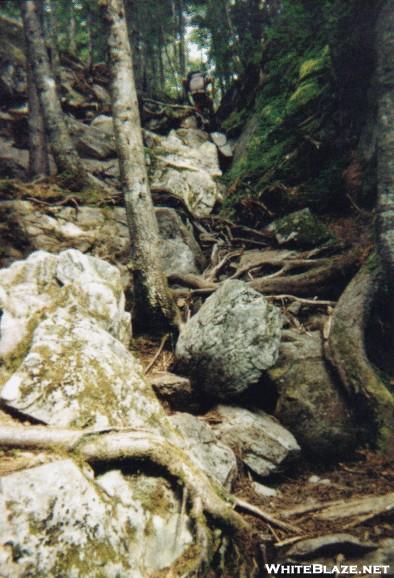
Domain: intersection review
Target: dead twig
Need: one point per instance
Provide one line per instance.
(251, 509)
(157, 354)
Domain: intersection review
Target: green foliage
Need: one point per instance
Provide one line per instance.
(301, 142)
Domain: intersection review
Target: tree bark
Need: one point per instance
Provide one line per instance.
(346, 351)
(38, 146)
(155, 307)
(385, 139)
(181, 28)
(50, 30)
(72, 30)
(67, 160)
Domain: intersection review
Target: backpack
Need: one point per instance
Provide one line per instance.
(197, 82)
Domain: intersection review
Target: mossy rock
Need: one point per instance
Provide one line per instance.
(301, 229)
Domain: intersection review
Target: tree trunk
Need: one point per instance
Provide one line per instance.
(50, 29)
(154, 304)
(72, 31)
(38, 146)
(181, 28)
(385, 144)
(67, 161)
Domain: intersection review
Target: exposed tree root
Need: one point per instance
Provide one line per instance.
(207, 500)
(323, 276)
(345, 349)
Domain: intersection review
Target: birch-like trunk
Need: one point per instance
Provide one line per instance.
(66, 158)
(154, 304)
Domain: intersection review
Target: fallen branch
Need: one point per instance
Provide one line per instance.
(301, 300)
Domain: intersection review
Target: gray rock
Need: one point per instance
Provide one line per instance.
(329, 544)
(214, 457)
(90, 141)
(63, 343)
(264, 491)
(175, 391)
(179, 249)
(256, 438)
(310, 405)
(186, 164)
(300, 229)
(226, 346)
(57, 520)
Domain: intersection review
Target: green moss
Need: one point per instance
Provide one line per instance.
(305, 93)
(314, 66)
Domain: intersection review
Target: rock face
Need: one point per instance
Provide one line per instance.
(179, 249)
(310, 404)
(185, 163)
(226, 346)
(57, 520)
(257, 439)
(214, 457)
(102, 232)
(64, 333)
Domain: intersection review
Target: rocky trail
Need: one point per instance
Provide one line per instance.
(233, 445)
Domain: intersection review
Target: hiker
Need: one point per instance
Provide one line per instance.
(196, 86)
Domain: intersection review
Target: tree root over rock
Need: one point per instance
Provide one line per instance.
(321, 277)
(345, 349)
(206, 499)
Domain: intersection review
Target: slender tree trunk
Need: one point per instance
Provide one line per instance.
(50, 30)
(90, 38)
(154, 304)
(72, 30)
(385, 154)
(38, 147)
(181, 28)
(66, 158)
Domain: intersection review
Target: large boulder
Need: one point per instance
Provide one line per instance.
(59, 520)
(186, 163)
(310, 404)
(63, 344)
(257, 439)
(232, 339)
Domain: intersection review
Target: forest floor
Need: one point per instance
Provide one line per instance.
(308, 486)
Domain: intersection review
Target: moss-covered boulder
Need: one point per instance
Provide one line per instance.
(63, 346)
(310, 403)
(58, 519)
(301, 229)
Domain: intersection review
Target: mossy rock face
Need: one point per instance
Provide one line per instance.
(64, 338)
(310, 405)
(65, 522)
(301, 229)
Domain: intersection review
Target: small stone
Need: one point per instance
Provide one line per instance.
(264, 491)
(257, 439)
(213, 456)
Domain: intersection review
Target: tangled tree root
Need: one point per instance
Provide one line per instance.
(345, 349)
(207, 501)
